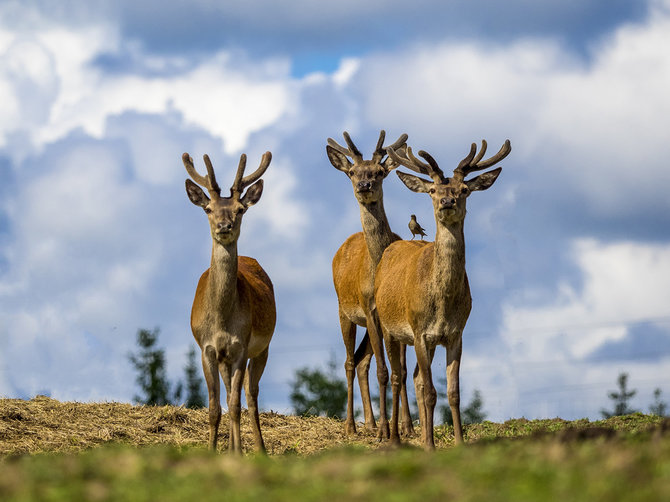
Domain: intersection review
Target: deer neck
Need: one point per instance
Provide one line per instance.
(222, 286)
(376, 229)
(448, 271)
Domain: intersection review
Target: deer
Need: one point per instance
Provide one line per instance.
(421, 289)
(234, 314)
(354, 267)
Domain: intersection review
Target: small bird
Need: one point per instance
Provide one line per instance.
(415, 228)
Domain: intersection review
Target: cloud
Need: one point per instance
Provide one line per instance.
(316, 38)
(587, 123)
(71, 269)
(585, 336)
(300, 26)
(623, 283)
(643, 341)
(229, 96)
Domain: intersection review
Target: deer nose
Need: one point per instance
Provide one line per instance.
(447, 202)
(224, 227)
(364, 185)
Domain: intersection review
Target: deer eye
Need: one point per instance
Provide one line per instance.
(380, 173)
(208, 210)
(351, 172)
(239, 210)
(432, 190)
(464, 190)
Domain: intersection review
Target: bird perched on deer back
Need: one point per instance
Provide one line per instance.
(415, 228)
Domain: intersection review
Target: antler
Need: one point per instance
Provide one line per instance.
(411, 162)
(380, 150)
(474, 162)
(240, 183)
(355, 153)
(352, 151)
(209, 181)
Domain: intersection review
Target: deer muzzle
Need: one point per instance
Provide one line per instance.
(224, 227)
(364, 186)
(447, 203)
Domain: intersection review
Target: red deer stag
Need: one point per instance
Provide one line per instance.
(233, 315)
(354, 266)
(422, 292)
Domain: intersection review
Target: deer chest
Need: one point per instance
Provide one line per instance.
(443, 320)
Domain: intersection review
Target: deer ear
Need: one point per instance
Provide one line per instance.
(414, 183)
(253, 194)
(339, 160)
(196, 195)
(484, 180)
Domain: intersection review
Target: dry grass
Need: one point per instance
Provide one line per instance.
(43, 424)
(47, 425)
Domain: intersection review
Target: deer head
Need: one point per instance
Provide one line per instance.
(366, 175)
(225, 213)
(450, 194)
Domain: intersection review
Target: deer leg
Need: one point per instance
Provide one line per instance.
(209, 367)
(424, 359)
(251, 379)
(234, 407)
(362, 359)
(406, 422)
(453, 389)
(349, 337)
(224, 370)
(375, 332)
(393, 348)
(418, 393)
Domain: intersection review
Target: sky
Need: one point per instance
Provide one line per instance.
(568, 254)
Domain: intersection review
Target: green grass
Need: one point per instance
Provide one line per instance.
(626, 458)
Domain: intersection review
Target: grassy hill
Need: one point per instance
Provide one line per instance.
(110, 451)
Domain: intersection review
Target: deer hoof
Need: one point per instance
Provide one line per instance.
(383, 431)
(407, 430)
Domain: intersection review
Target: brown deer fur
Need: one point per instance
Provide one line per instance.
(422, 292)
(354, 266)
(233, 315)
